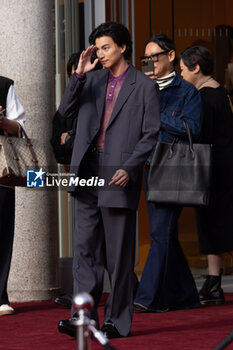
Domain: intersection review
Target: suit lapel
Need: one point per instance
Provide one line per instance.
(100, 93)
(125, 91)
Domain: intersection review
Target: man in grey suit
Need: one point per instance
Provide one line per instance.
(117, 111)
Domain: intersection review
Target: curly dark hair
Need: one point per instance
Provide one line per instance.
(119, 34)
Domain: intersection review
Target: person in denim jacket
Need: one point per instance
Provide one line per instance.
(167, 282)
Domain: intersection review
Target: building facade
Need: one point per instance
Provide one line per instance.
(36, 40)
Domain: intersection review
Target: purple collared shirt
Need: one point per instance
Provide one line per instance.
(113, 89)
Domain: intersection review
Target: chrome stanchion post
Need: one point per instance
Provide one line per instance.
(82, 305)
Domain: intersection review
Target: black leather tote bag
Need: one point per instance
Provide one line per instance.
(180, 173)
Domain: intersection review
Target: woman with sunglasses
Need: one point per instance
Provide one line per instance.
(167, 282)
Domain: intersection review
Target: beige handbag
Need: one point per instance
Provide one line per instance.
(17, 155)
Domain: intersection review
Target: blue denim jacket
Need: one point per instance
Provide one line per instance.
(179, 100)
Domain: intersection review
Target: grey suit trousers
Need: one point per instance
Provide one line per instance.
(104, 238)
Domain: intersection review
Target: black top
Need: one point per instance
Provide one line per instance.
(218, 119)
(215, 222)
(217, 126)
(5, 83)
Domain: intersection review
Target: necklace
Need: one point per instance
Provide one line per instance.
(204, 83)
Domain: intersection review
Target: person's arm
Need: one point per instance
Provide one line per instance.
(9, 126)
(69, 102)
(70, 99)
(191, 112)
(15, 115)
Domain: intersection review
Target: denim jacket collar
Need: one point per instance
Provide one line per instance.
(176, 81)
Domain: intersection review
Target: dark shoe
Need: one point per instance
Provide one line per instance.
(211, 293)
(141, 308)
(66, 326)
(65, 301)
(110, 331)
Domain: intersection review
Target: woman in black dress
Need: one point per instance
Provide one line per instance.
(215, 222)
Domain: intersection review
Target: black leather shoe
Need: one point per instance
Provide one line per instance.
(66, 326)
(211, 292)
(65, 301)
(110, 331)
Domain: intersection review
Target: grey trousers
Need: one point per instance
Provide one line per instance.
(105, 239)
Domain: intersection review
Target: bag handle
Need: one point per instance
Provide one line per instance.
(189, 135)
(30, 145)
(176, 139)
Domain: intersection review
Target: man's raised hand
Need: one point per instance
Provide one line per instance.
(85, 65)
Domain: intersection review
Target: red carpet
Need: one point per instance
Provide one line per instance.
(34, 327)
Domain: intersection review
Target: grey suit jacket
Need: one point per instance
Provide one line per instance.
(131, 133)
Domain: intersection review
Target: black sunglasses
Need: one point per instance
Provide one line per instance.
(154, 57)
